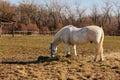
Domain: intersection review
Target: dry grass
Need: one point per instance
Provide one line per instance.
(27, 58)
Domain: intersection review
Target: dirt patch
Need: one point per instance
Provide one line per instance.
(61, 68)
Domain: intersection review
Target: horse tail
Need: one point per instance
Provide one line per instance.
(100, 45)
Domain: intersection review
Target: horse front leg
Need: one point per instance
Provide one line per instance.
(96, 52)
(74, 48)
(67, 49)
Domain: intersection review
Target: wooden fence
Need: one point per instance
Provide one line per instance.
(30, 32)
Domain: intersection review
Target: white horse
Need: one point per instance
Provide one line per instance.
(71, 35)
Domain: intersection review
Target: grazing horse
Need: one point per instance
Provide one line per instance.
(71, 35)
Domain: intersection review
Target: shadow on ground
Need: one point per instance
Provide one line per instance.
(41, 59)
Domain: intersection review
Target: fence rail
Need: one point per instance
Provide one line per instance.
(43, 33)
(30, 32)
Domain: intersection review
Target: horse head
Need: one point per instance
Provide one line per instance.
(53, 49)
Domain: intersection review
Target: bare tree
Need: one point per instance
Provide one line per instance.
(106, 10)
(27, 13)
(117, 13)
(52, 13)
(7, 10)
(80, 15)
(54, 10)
(95, 15)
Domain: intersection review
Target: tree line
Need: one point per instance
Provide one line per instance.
(52, 15)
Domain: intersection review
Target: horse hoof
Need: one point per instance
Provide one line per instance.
(76, 55)
(95, 60)
(101, 60)
(68, 55)
(52, 56)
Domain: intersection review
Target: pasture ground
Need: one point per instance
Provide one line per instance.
(27, 58)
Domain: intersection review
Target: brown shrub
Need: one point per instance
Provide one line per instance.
(59, 26)
(21, 27)
(44, 30)
(32, 27)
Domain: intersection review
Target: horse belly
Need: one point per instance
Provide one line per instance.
(83, 41)
(80, 40)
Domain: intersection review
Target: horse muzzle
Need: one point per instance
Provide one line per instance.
(52, 54)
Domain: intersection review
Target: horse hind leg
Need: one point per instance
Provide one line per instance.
(99, 50)
(101, 54)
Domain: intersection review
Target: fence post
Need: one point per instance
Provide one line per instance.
(0, 29)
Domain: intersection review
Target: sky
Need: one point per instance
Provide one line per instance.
(83, 3)
(90, 3)
(16, 2)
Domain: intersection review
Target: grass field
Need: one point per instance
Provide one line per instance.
(27, 58)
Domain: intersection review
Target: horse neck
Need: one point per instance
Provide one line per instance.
(56, 41)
